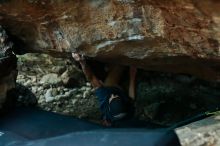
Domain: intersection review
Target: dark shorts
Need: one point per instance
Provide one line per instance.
(104, 93)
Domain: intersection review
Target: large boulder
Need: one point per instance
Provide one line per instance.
(201, 133)
(180, 36)
(8, 63)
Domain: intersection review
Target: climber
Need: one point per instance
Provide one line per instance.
(115, 105)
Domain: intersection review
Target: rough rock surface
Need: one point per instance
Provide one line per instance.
(168, 98)
(202, 133)
(8, 72)
(180, 36)
(53, 96)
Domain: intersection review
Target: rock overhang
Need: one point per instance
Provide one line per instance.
(171, 36)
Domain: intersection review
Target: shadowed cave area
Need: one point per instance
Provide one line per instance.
(58, 85)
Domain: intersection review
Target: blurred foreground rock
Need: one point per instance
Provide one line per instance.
(202, 133)
(160, 35)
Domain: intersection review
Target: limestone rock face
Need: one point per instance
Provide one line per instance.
(8, 72)
(201, 133)
(180, 36)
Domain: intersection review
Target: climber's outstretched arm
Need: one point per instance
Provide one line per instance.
(96, 83)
